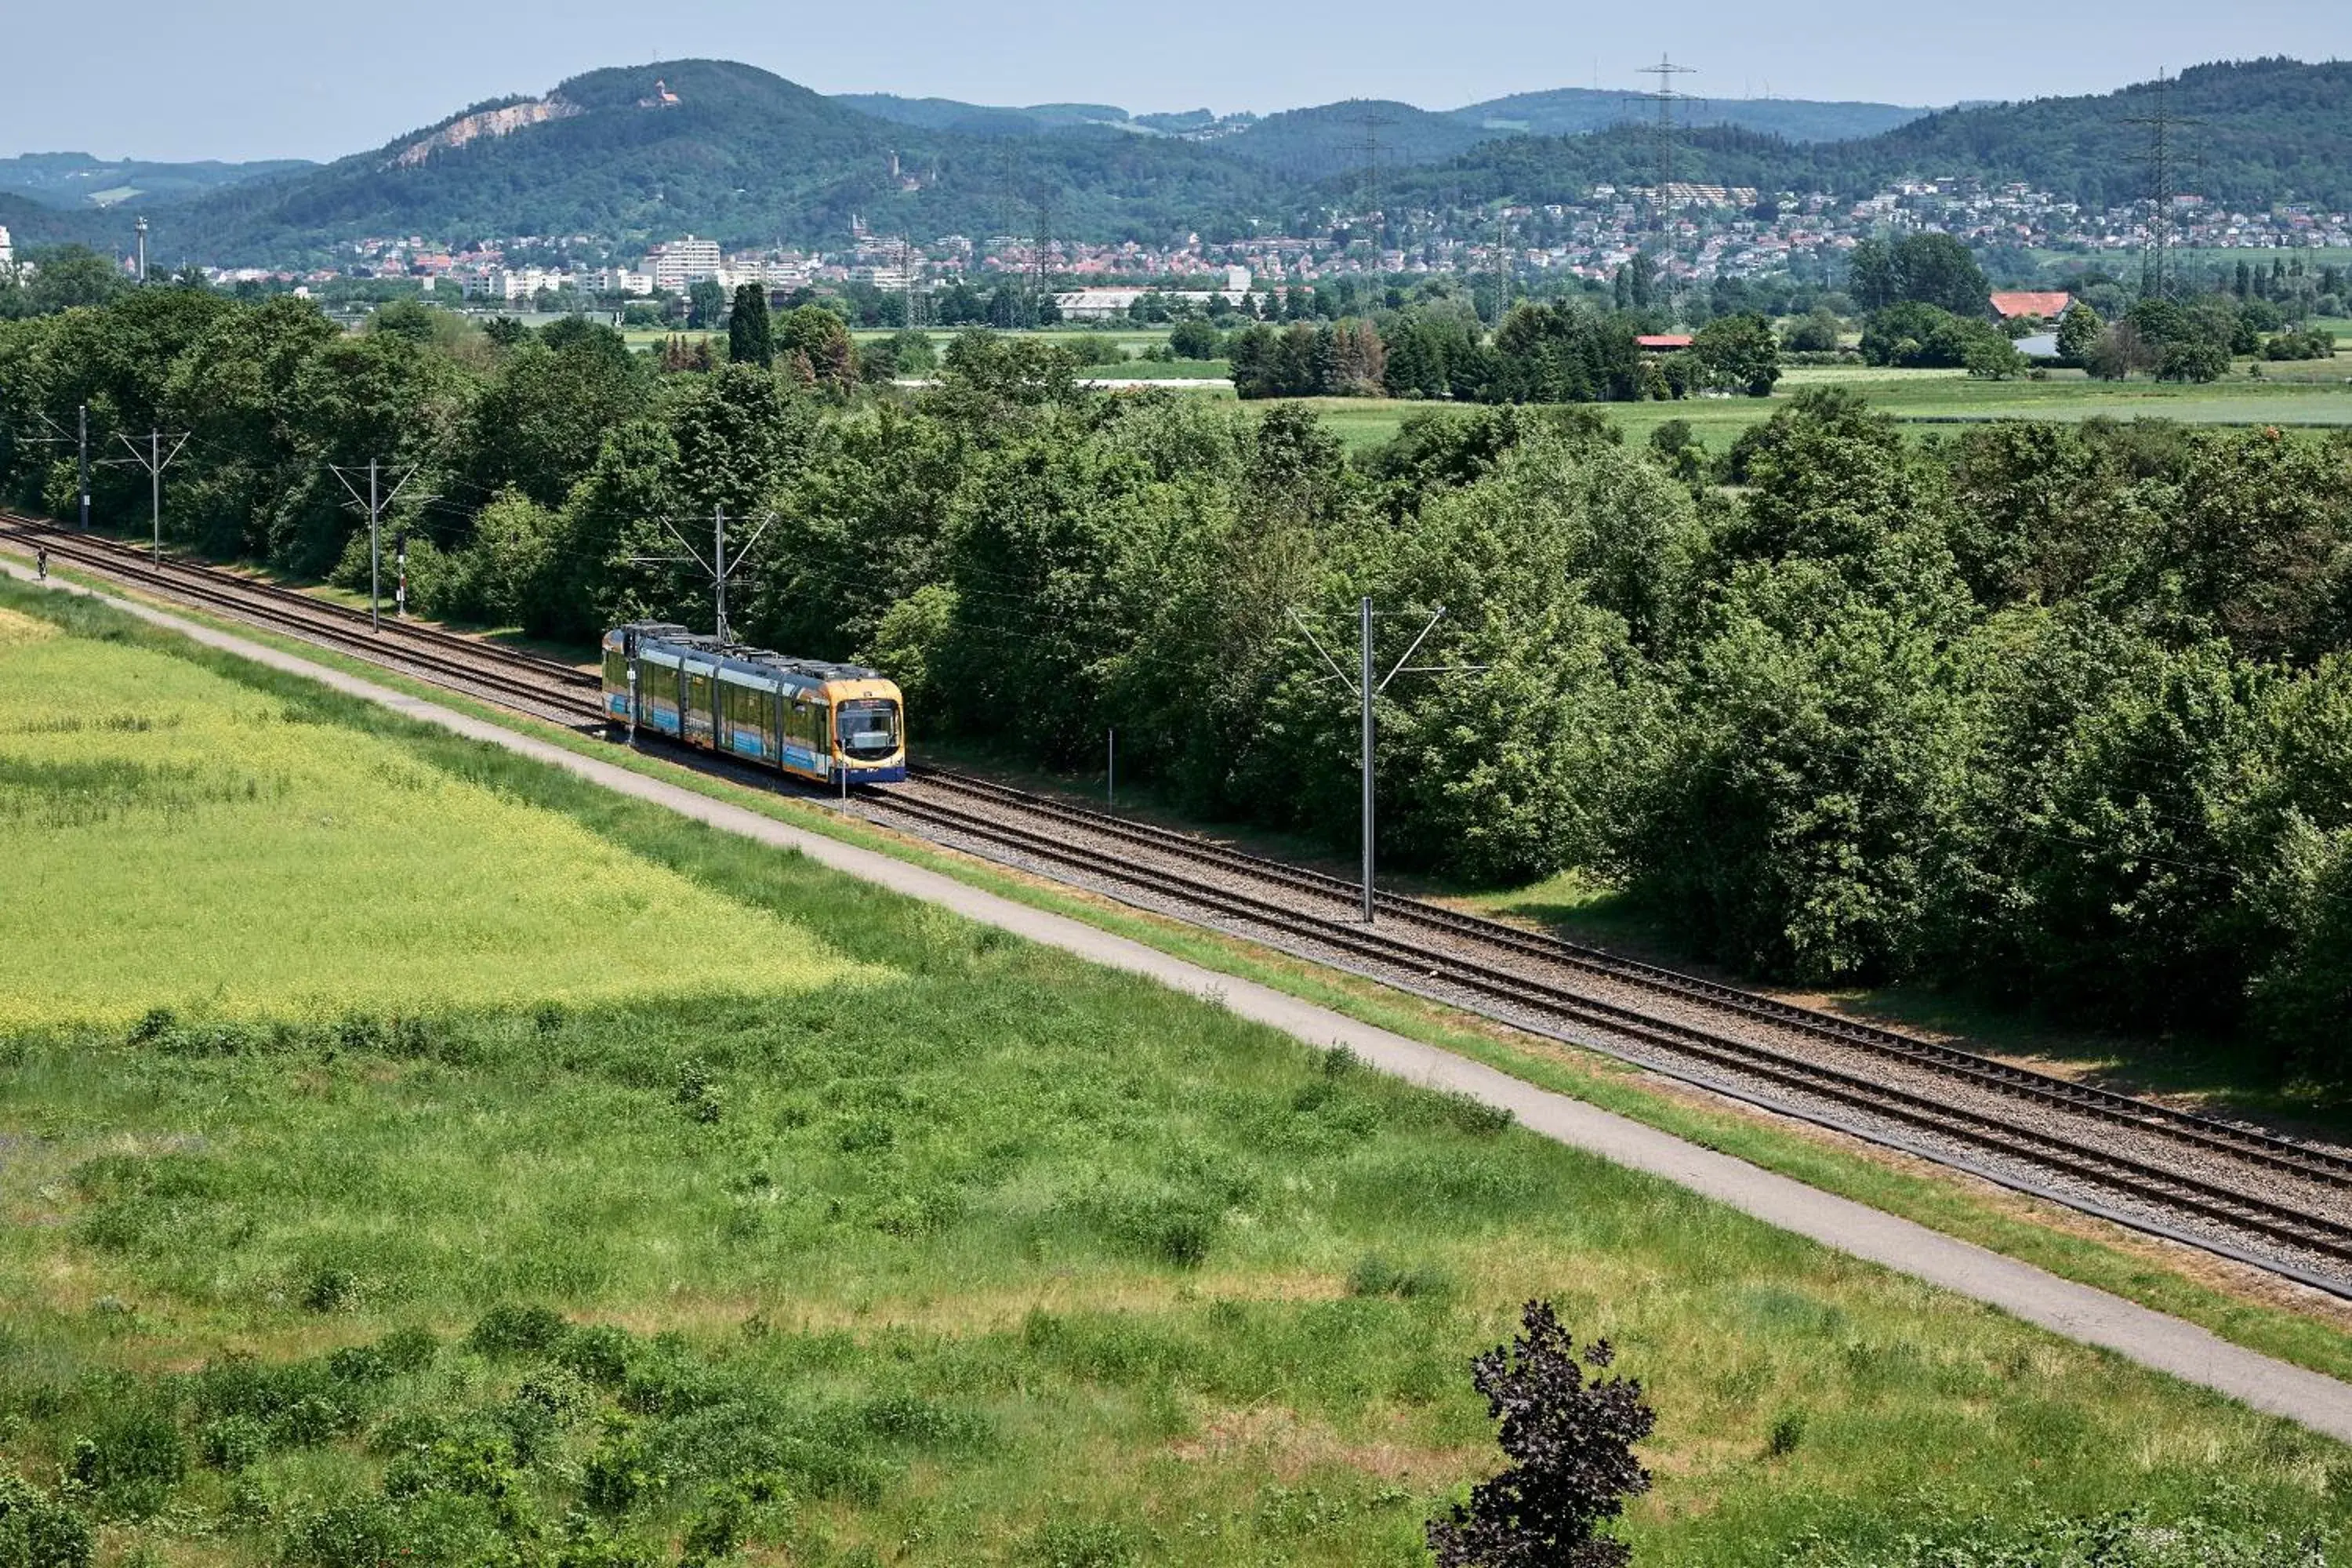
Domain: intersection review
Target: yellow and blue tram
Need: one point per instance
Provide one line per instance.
(831, 723)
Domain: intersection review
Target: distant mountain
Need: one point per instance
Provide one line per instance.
(1570, 111)
(1037, 119)
(2264, 132)
(641, 153)
(716, 147)
(2261, 132)
(977, 119)
(1314, 143)
(77, 180)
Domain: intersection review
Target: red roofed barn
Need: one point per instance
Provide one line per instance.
(2049, 304)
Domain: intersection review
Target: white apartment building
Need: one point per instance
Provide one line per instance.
(678, 263)
(617, 280)
(7, 249)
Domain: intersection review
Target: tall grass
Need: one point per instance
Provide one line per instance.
(174, 838)
(956, 1250)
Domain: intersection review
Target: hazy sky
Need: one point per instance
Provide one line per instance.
(245, 78)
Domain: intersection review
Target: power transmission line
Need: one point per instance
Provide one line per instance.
(1371, 119)
(2160, 159)
(1666, 98)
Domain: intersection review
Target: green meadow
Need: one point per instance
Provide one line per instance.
(682, 1199)
(2309, 392)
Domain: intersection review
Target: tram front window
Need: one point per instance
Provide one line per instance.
(868, 728)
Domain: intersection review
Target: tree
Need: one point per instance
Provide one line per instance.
(70, 275)
(817, 338)
(1820, 332)
(1939, 271)
(2078, 332)
(750, 339)
(1193, 340)
(706, 301)
(1921, 270)
(1571, 1443)
(1737, 353)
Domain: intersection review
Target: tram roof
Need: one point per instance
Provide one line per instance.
(742, 657)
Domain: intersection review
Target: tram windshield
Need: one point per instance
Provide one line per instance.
(869, 726)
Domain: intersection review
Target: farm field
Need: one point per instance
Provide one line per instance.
(2312, 393)
(910, 1245)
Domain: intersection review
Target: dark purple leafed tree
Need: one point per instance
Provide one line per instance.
(1570, 1441)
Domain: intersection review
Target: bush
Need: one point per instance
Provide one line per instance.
(409, 1349)
(514, 1331)
(1571, 1443)
(38, 1531)
(1376, 1276)
(1195, 341)
(597, 1354)
(132, 1459)
(2300, 344)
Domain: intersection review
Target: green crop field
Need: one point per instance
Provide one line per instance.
(2311, 393)
(550, 1180)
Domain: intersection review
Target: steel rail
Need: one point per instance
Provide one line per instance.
(443, 657)
(2167, 1188)
(2108, 1105)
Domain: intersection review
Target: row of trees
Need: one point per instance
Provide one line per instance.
(1541, 354)
(2061, 712)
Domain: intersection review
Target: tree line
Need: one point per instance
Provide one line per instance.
(2058, 713)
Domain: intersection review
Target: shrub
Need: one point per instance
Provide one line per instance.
(38, 1531)
(1475, 1116)
(157, 1023)
(699, 1093)
(330, 1290)
(597, 1354)
(516, 1331)
(1788, 1431)
(1571, 1443)
(1081, 1543)
(132, 1459)
(233, 1441)
(365, 1534)
(409, 1349)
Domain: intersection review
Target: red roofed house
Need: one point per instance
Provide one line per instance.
(2049, 304)
(1660, 341)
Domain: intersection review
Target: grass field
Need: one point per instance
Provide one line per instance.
(178, 803)
(2314, 393)
(953, 1250)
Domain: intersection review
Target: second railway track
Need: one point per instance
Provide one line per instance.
(2237, 1190)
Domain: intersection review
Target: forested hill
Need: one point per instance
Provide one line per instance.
(717, 148)
(1568, 111)
(711, 147)
(2264, 130)
(2255, 133)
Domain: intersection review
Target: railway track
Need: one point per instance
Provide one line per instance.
(545, 687)
(2240, 1191)
(2248, 1193)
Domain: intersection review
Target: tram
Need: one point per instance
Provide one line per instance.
(836, 724)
